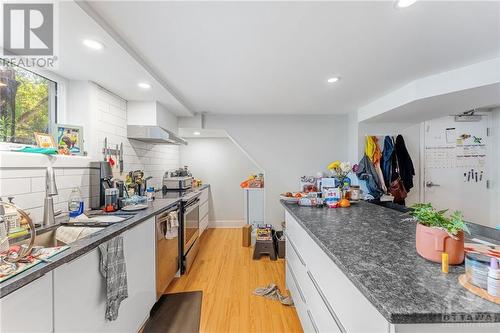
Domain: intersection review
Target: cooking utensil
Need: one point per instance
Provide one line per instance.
(121, 158)
(105, 150)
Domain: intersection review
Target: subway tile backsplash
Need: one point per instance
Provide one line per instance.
(153, 159)
(23, 175)
(27, 186)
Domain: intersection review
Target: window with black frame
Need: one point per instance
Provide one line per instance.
(27, 104)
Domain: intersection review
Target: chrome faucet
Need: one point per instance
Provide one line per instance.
(50, 192)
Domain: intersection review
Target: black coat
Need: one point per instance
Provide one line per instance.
(406, 170)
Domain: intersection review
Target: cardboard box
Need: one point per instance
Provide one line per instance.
(246, 235)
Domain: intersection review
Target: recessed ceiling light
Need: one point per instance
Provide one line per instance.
(144, 85)
(333, 79)
(405, 3)
(196, 133)
(93, 44)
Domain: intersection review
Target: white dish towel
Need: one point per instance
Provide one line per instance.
(172, 225)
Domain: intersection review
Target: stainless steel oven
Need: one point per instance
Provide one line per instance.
(190, 230)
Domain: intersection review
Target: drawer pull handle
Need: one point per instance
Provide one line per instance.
(311, 318)
(296, 283)
(295, 250)
(327, 304)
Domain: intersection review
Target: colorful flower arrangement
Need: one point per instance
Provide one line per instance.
(340, 170)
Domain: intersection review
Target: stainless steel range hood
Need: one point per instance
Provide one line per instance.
(154, 134)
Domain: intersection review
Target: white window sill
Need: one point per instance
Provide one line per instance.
(10, 159)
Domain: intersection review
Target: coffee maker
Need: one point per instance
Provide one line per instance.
(100, 182)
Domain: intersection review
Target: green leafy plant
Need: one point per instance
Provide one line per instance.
(427, 215)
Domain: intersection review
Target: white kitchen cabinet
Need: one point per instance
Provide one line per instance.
(254, 206)
(204, 209)
(80, 292)
(331, 301)
(204, 195)
(28, 309)
(203, 224)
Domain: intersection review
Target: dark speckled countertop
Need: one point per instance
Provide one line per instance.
(376, 250)
(90, 242)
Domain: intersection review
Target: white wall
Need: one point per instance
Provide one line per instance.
(220, 163)
(495, 183)
(411, 135)
(286, 147)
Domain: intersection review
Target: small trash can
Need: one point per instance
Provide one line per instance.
(279, 243)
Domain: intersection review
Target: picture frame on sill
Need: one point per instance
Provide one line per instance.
(44, 140)
(69, 137)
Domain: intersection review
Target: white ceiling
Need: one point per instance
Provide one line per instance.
(112, 67)
(275, 57)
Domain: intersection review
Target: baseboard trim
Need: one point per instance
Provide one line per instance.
(226, 224)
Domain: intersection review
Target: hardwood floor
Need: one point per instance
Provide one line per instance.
(227, 275)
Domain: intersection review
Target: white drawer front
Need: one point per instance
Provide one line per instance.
(203, 210)
(323, 318)
(204, 195)
(203, 224)
(296, 233)
(340, 296)
(297, 297)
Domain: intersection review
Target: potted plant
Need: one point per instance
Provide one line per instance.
(438, 233)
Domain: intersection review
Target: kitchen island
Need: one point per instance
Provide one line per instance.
(356, 269)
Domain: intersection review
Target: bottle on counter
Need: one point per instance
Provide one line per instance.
(75, 203)
(494, 278)
(150, 193)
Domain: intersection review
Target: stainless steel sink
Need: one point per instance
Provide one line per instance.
(45, 239)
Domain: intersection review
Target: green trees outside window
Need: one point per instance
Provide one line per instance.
(27, 104)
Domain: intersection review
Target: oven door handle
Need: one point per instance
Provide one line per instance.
(193, 203)
(192, 206)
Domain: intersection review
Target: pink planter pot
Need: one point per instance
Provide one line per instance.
(432, 242)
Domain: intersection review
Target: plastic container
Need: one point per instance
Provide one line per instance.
(134, 201)
(279, 243)
(75, 203)
(111, 199)
(477, 269)
(494, 278)
(150, 193)
(4, 239)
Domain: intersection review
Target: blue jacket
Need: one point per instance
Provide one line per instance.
(368, 173)
(386, 160)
